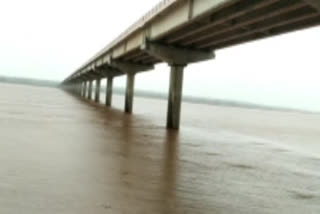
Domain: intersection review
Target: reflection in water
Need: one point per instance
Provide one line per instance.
(171, 142)
(137, 171)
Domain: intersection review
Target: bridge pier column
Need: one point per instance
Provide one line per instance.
(97, 93)
(109, 91)
(175, 96)
(75, 88)
(79, 88)
(90, 90)
(84, 93)
(72, 88)
(129, 93)
(83, 89)
(177, 58)
(130, 69)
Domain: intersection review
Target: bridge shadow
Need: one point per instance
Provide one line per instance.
(149, 168)
(170, 171)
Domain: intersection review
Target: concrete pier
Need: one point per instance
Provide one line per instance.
(177, 59)
(175, 96)
(109, 91)
(79, 88)
(130, 69)
(84, 90)
(97, 92)
(90, 90)
(129, 93)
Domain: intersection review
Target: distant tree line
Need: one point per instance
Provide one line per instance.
(154, 95)
(27, 81)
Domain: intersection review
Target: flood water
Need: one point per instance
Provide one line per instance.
(61, 154)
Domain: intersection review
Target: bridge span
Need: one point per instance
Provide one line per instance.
(181, 32)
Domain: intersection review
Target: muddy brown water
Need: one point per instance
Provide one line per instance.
(61, 154)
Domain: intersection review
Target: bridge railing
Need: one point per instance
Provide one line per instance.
(155, 11)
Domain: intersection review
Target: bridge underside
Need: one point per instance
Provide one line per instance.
(236, 23)
(227, 24)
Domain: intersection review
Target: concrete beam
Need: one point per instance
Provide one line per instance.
(92, 75)
(108, 71)
(82, 78)
(129, 93)
(127, 67)
(176, 56)
(103, 73)
(314, 3)
(109, 91)
(96, 74)
(87, 77)
(97, 93)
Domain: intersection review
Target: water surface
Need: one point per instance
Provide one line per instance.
(62, 154)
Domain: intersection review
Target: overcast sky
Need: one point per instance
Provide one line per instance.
(50, 39)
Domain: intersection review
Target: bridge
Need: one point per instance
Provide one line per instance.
(182, 32)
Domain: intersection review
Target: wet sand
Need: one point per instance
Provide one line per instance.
(61, 154)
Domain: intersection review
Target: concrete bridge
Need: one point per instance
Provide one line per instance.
(182, 32)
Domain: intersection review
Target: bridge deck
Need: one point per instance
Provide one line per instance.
(206, 25)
